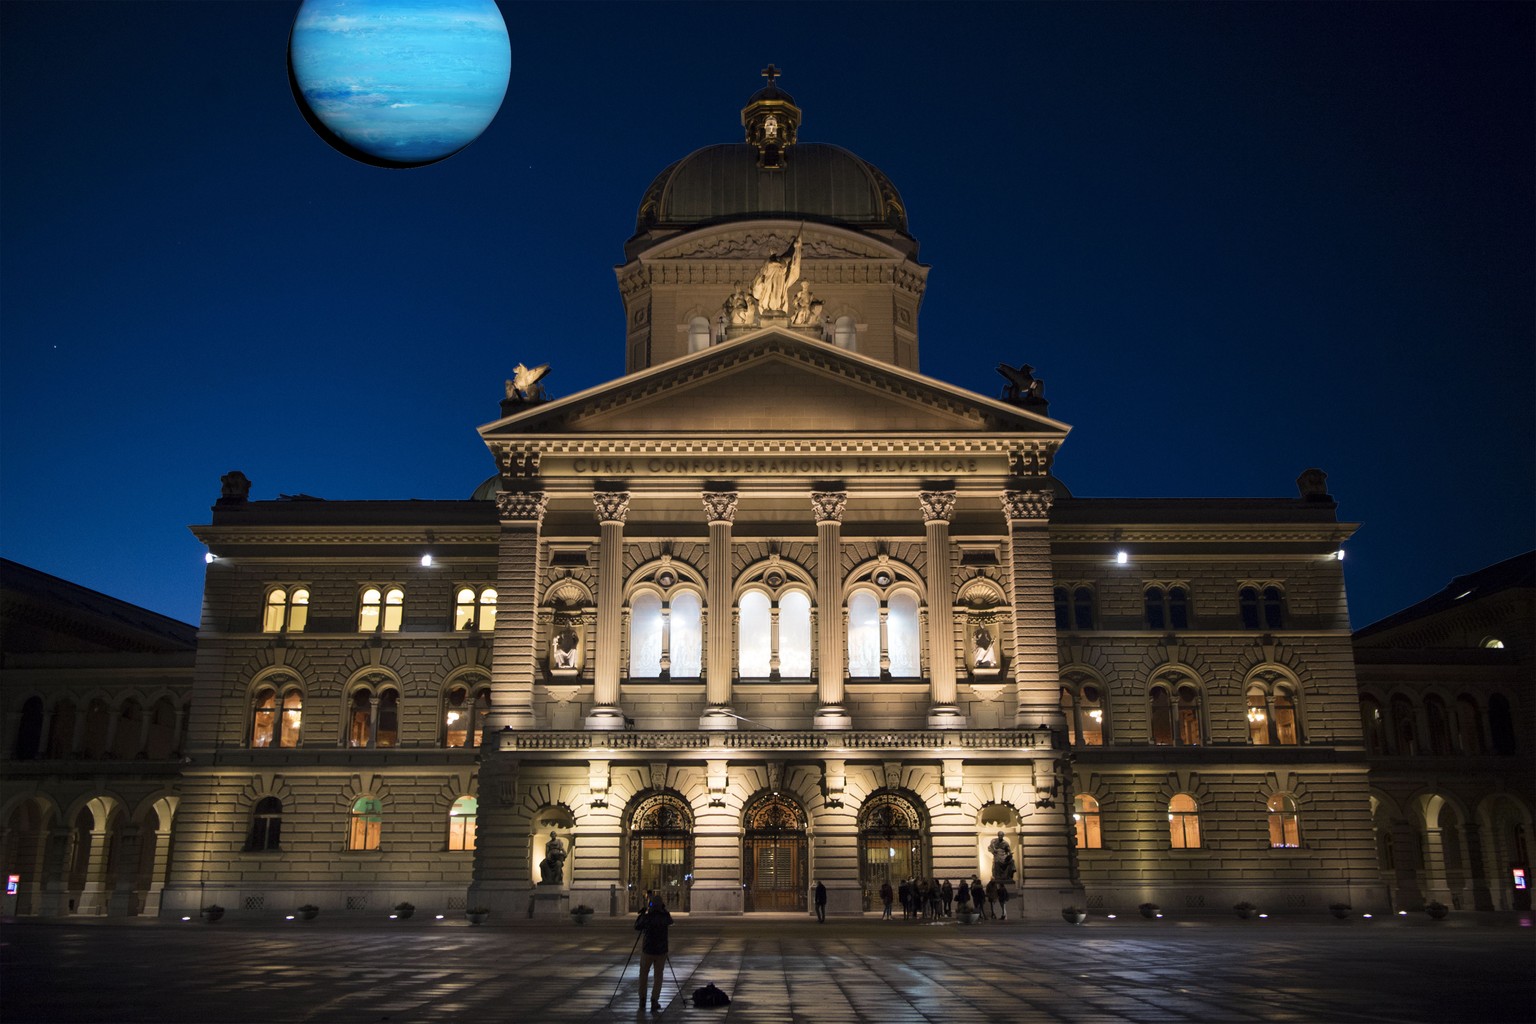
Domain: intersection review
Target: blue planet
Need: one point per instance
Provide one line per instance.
(400, 82)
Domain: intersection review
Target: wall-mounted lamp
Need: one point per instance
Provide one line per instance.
(426, 561)
(1122, 557)
(209, 558)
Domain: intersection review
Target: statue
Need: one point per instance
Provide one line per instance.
(564, 653)
(806, 308)
(774, 279)
(1022, 388)
(525, 384)
(984, 655)
(552, 867)
(1003, 868)
(738, 308)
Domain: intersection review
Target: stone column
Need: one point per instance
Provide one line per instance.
(121, 902)
(1408, 860)
(829, 506)
(501, 864)
(1036, 673)
(53, 900)
(611, 508)
(517, 595)
(1477, 868)
(93, 896)
(938, 507)
(162, 840)
(720, 512)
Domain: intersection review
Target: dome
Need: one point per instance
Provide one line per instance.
(816, 182)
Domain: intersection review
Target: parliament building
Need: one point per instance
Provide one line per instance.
(772, 607)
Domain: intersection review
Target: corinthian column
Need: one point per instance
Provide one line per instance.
(1035, 670)
(517, 596)
(828, 506)
(720, 511)
(611, 508)
(938, 507)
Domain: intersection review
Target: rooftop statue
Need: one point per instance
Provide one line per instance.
(1023, 387)
(525, 383)
(777, 275)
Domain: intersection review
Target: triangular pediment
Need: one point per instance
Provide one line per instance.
(774, 382)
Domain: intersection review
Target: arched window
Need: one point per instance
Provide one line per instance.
(1248, 607)
(1184, 822)
(1166, 608)
(266, 826)
(98, 721)
(698, 334)
(645, 635)
(863, 634)
(1469, 721)
(1085, 820)
(1061, 600)
(1082, 702)
(1284, 825)
(1438, 720)
(892, 843)
(461, 823)
(902, 633)
(381, 610)
(1404, 729)
(1176, 717)
(1262, 609)
(1082, 608)
(464, 709)
(366, 824)
(1189, 716)
(687, 635)
(795, 634)
(285, 612)
(1274, 608)
(754, 640)
(1373, 723)
(1160, 704)
(61, 734)
(473, 610)
(276, 717)
(845, 334)
(130, 727)
(661, 850)
(1272, 715)
(666, 636)
(29, 734)
(373, 716)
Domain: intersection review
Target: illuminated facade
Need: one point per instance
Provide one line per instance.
(771, 608)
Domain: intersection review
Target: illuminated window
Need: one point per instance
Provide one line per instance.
(1085, 820)
(266, 825)
(373, 716)
(884, 637)
(1284, 825)
(461, 823)
(666, 633)
(1176, 718)
(1184, 822)
(381, 610)
(285, 611)
(277, 713)
(367, 822)
(464, 711)
(473, 610)
(1082, 703)
(1272, 715)
(1166, 608)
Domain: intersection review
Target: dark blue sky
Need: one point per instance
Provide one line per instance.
(1236, 240)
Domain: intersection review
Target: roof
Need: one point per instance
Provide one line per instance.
(1514, 573)
(44, 613)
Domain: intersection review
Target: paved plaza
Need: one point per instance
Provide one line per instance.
(1469, 968)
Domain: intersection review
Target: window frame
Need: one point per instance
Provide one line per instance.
(291, 613)
(1184, 823)
(1087, 822)
(387, 608)
(478, 613)
(463, 828)
(375, 688)
(365, 825)
(266, 828)
(1284, 822)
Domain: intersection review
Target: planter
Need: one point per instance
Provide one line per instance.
(404, 910)
(1436, 910)
(477, 916)
(969, 917)
(309, 913)
(1340, 911)
(1150, 911)
(581, 919)
(212, 914)
(1072, 915)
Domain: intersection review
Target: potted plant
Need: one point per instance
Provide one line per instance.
(213, 912)
(1074, 915)
(1150, 911)
(1436, 909)
(581, 914)
(309, 911)
(404, 910)
(477, 915)
(1339, 910)
(967, 915)
(1245, 910)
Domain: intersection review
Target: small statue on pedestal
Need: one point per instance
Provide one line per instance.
(552, 867)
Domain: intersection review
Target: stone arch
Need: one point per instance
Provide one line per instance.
(658, 828)
(775, 851)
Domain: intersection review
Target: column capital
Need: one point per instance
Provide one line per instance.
(611, 506)
(829, 505)
(1027, 504)
(720, 506)
(520, 506)
(938, 506)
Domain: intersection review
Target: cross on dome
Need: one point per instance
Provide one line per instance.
(770, 72)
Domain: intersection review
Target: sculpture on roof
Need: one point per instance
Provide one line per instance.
(525, 384)
(738, 308)
(805, 313)
(777, 275)
(1023, 387)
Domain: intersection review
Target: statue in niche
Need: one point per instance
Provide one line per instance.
(984, 652)
(552, 867)
(775, 278)
(1003, 868)
(738, 308)
(563, 649)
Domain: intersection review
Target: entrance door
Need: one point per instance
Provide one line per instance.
(775, 854)
(890, 845)
(660, 851)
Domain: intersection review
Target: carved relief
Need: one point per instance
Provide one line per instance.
(938, 506)
(829, 505)
(720, 506)
(1027, 504)
(520, 506)
(611, 506)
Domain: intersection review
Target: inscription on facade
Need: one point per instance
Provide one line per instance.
(782, 465)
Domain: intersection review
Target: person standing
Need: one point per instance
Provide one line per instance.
(991, 892)
(963, 897)
(653, 923)
(947, 894)
(1002, 899)
(821, 903)
(978, 897)
(886, 896)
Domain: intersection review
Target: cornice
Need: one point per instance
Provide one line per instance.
(769, 740)
(1131, 533)
(350, 533)
(868, 444)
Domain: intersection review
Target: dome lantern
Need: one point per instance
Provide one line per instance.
(771, 120)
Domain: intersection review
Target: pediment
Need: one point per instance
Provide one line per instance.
(774, 382)
(759, 240)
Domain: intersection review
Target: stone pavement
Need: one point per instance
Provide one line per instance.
(1469, 968)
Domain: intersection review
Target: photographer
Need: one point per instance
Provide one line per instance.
(653, 922)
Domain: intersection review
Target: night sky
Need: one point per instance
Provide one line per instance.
(1235, 240)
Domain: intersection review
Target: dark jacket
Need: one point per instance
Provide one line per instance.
(821, 895)
(654, 923)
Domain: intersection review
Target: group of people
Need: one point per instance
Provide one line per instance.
(929, 899)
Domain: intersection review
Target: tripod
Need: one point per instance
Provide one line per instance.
(627, 959)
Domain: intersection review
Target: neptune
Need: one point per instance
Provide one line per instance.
(399, 83)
